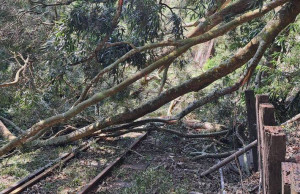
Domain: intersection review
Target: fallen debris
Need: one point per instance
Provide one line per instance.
(229, 158)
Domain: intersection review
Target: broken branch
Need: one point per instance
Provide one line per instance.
(229, 158)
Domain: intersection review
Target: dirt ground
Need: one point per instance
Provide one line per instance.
(161, 163)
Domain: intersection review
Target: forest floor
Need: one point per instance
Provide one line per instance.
(160, 164)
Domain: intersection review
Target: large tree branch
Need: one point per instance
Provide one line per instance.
(286, 16)
(228, 90)
(195, 40)
(219, 5)
(58, 3)
(178, 133)
(12, 124)
(117, 62)
(199, 32)
(208, 23)
(292, 120)
(268, 34)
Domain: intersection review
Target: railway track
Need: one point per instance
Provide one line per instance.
(48, 169)
(93, 183)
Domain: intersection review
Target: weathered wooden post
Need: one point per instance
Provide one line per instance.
(260, 99)
(251, 117)
(273, 155)
(273, 148)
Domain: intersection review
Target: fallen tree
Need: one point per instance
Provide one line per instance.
(205, 31)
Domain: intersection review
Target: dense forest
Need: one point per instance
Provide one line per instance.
(75, 70)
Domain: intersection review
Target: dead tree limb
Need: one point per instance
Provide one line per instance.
(221, 174)
(172, 105)
(218, 93)
(216, 18)
(5, 133)
(104, 133)
(209, 155)
(292, 120)
(229, 158)
(194, 124)
(12, 124)
(17, 77)
(163, 80)
(141, 122)
(191, 135)
(66, 129)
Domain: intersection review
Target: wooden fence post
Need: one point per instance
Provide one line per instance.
(273, 155)
(260, 99)
(273, 148)
(251, 117)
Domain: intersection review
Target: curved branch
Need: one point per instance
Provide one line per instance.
(12, 124)
(58, 3)
(17, 77)
(202, 135)
(218, 93)
(213, 20)
(209, 155)
(180, 134)
(292, 120)
(117, 62)
(163, 80)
